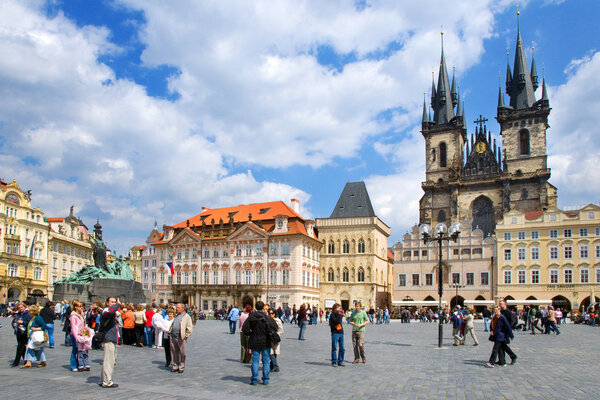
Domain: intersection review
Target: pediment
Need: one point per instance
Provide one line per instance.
(185, 237)
(248, 232)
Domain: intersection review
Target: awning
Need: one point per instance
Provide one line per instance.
(528, 302)
(408, 303)
(479, 302)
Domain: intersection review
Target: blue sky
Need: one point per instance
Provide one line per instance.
(144, 110)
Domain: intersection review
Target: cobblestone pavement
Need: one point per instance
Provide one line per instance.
(403, 362)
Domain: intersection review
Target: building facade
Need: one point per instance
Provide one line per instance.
(238, 255)
(468, 270)
(150, 262)
(23, 245)
(551, 256)
(134, 260)
(480, 181)
(69, 248)
(354, 256)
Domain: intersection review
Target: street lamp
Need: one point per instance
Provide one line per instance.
(440, 235)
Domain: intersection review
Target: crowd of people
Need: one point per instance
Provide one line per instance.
(107, 325)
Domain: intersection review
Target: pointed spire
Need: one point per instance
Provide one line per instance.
(443, 110)
(545, 92)
(425, 119)
(508, 75)
(500, 99)
(458, 105)
(433, 91)
(534, 75)
(453, 92)
(463, 112)
(521, 88)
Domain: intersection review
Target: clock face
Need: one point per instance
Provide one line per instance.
(480, 147)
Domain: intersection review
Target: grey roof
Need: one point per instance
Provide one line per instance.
(521, 87)
(442, 105)
(353, 202)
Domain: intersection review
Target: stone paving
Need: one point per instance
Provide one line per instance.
(403, 362)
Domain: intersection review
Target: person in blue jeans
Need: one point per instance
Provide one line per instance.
(302, 321)
(337, 336)
(257, 327)
(48, 316)
(233, 316)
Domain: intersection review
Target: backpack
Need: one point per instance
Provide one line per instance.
(513, 319)
(271, 334)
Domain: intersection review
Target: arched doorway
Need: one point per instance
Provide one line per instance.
(561, 302)
(479, 309)
(429, 298)
(13, 294)
(345, 301)
(514, 308)
(247, 301)
(585, 303)
(457, 300)
(483, 215)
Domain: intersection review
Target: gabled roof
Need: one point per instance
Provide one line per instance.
(259, 211)
(533, 215)
(353, 202)
(55, 219)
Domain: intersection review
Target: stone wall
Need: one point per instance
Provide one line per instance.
(100, 289)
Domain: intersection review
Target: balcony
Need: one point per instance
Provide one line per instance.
(11, 237)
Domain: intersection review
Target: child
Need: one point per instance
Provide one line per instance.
(84, 342)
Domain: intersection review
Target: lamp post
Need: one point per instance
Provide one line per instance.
(440, 235)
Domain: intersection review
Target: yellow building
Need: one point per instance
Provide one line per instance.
(69, 248)
(354, 257)
(23, 245)
(551, 256)
(135, 262)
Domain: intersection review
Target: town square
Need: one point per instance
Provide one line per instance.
(299, 199)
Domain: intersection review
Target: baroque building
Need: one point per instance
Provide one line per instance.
(354, 257)
(134, 260)
(69, 248)
(23, 245)
(239, 255)
(550, 257)
(478, 181)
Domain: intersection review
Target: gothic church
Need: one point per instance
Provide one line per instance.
(476, 180)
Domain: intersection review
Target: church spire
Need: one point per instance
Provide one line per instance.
(443, 109)
(500, 98)
(521, 88)
(425, 119)
(458, 105)
(534, 75)
(545, 99)
(453, 92)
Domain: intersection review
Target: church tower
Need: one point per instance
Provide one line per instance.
(445, 137)
(523, 124)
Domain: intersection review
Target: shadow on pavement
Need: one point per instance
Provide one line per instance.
(236, 378)
(475, 362)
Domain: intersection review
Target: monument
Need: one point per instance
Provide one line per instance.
(101, 280)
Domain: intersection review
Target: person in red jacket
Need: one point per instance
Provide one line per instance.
(148, 329)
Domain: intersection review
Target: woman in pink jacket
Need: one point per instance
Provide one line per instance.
(77, 323)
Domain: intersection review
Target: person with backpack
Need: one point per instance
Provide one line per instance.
(108, 335)
(259, 327)
(336, 320)
(511, 317)
(275, 348)
(456, 320)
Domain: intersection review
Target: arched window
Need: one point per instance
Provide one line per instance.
(441, 216)
(524, 142)
(442, 154)
(361, 246)
(331, 247)
(361, 274)
(346, 248)
(345, 275)
(37, 274)
(330, 275)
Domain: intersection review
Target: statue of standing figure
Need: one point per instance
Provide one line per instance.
(99, 248)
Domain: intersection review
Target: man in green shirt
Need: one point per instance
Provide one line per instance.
(358, 320)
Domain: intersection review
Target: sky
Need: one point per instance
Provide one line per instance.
(144, 111)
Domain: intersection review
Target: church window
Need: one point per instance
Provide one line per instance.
(345, 275)
(346, 248)
(442, 154)
(361, 246)
(441, 216)
(331, 247)
(330, 275)
(524, 142)
(361, 274)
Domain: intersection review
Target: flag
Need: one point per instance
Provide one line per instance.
(170, 265)
(31, 250)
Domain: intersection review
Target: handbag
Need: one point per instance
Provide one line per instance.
(37, 337)
(492, 338)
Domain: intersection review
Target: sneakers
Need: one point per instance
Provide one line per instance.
(503, 365)
(341, 364)
(513, 361)
(489, 365)
(356, 361)
(114, 385)
(333, 364)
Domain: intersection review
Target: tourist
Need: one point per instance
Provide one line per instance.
(294, 315)
(320, 315)
(259, 341)
(232, 316)
(19, 324)
(386, 315)
(302, 321)
(129, 336)
(245, 357)
(536, 318)
(57, 309)
(457, 321)
(275, 346)
(501, 332)
(337, 336)
(139, 319)
(157, 319)
(181, 329)
(469, 328)
(358, 320)
(486, 318)
(66, 314)
(559, 316)
(109, 329)
(512, 321)
(35, 345)
(84, 343)
(165, 326)
(148, 329)
(49, 316)
(551, 321)
(77, 324)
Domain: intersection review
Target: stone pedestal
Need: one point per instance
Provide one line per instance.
(100, 289)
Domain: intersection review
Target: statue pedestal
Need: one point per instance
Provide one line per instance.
(99, 289)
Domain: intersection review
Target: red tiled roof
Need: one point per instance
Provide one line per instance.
(571, 214)
(532, 215)
(241, 212)
(390, 254)
(55, 219)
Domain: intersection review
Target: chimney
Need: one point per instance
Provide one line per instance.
(295, 205)
(204, 209)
